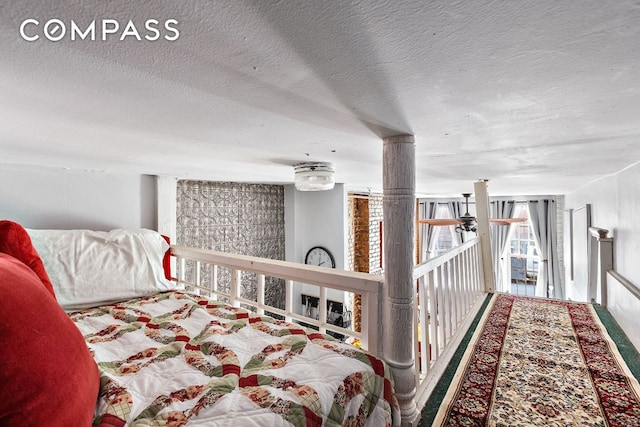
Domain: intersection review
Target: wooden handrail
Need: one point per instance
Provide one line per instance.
(366, 285)
(331, 278)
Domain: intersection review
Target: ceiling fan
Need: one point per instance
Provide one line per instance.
(467, 222)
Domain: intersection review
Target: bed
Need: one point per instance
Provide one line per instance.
(161, 356)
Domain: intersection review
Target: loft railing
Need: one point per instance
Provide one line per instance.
(201, 271)
(450, 293)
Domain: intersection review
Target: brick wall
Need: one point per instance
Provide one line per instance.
(365, 249)
(361, 235)
(375, 234)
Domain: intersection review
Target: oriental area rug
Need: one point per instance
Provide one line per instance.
(538, 362)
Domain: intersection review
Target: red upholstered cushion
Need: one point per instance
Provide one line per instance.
(15, 241)
(47, 375)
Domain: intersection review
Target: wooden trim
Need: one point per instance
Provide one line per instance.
(336, 279)
(359, 196)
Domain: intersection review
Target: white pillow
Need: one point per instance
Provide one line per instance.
(91, 268)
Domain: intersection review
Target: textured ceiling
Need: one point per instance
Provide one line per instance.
(539, 97)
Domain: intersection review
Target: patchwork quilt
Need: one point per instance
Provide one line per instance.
(178, 359)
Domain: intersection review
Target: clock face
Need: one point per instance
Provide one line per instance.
(320, 256)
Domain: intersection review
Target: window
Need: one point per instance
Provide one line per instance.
(443, 239)
(522, 255)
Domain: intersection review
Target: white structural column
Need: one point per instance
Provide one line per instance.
(484, 232)
(399, 289)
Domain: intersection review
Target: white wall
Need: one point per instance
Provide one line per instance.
(615, 205)
(40, 197)
(316, 218)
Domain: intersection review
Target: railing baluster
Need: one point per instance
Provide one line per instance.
(423, 337)
(459, 311)
(425, 328)
(474, 271)
(182, 270)
(453, 314)
(369, 325)
(214, 278)
(418, 342)
(236, 277)
(433, 313)
(443, 313)
(458, 293)
(260, 290)
(480, 275)
(322, 309)
(288, 298)
(198, 278)
(471, 276)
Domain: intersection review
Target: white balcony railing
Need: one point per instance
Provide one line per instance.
(450, 291)
(199, 270)
(449, 294)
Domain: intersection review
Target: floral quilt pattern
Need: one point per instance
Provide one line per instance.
(177, 359)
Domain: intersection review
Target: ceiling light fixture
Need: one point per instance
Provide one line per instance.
(314, 176)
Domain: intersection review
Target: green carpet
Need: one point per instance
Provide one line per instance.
(626, 349)
(433, 404)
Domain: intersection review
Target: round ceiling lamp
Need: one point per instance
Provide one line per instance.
(314, 176)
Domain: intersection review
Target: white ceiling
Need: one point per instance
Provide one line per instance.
(540, 97)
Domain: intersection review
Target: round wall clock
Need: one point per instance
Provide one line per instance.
(320, 256)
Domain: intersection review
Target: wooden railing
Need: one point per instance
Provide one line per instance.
(199, 270)
(450, 293)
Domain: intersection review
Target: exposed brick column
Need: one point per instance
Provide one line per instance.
(361, 252)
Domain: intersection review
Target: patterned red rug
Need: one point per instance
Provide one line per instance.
(543, 363)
